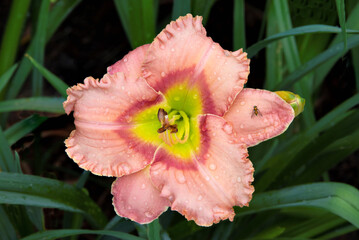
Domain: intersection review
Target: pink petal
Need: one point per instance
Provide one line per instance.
(103, 111)
(182, 52)
(273, 118)
(216, 178)
(135, 197)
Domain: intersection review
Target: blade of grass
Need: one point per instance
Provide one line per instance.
(59, 12)
(239, 27)
(315, 28)
(312, 64)
(6, 227)
(56, 234)
(355, 60)
(330, 157)
(277, 164)
(39, 46)
(274, 57)
(44, 192)
(338, 232)
(153, 230)
(75, 220)
(56, 82)
(5, 78)
(57, 15)
(303, 87)
(20, 129)
(138, 18)
(337, 198)
(12, 33)
(342, 22)
(180, 8)
(314, 226)
(7, 161)
(42, 104)
(322, 71)
(202, 8)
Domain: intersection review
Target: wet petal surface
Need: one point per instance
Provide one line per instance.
(135, 197)
(258, 115)
(103, 141)
(205, 187)
(182, 53)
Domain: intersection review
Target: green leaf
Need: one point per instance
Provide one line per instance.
(202, 8)
(138, 18)
(39, 45)
(59, 11)
(337, 198)
(48, 193)
(11, 36)
(42, 104)
(338, 232)
(153, 230)
(239, 28)
(57, 15)
(20, 129)
(55, 234)
(56, 82)
(315, 28)
(322, 71)
(290, 50)
(180, 8)
(341, 16)
(274, 56)
(289, 150)
(6, 228)
(7, 160)
(312, 64)
(5, 78)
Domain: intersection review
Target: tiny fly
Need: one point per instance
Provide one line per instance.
(256, 112)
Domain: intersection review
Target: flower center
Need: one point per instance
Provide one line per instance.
(174, 128)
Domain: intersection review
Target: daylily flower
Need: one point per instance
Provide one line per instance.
(172, 122)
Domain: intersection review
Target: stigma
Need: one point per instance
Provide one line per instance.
(169, 131)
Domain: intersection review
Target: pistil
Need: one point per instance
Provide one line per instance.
(170, 132)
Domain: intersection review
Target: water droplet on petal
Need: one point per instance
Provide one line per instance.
(228, 128)
(125, 59)
(242, 103)
(239, 179)
(123, 87)
(213, 134)
(241, 126)
(200, 208)
(181, 87)
(207, 178)
(180, 177)
(195, 96)
(177, 98)
(219, 78)
(212, 166)
(163, 74)
(162, 46)
(148, 214)
(172, 49)
(143, 186)
(129, 207)
(207, 156)
(126, 168)
(230, 99)
(200, 197)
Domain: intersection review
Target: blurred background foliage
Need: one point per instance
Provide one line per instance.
(306, 180)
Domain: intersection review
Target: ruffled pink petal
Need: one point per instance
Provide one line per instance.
(273, 117)
(182, 52)
(217, 177)
(135, 197)
(102, 142)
